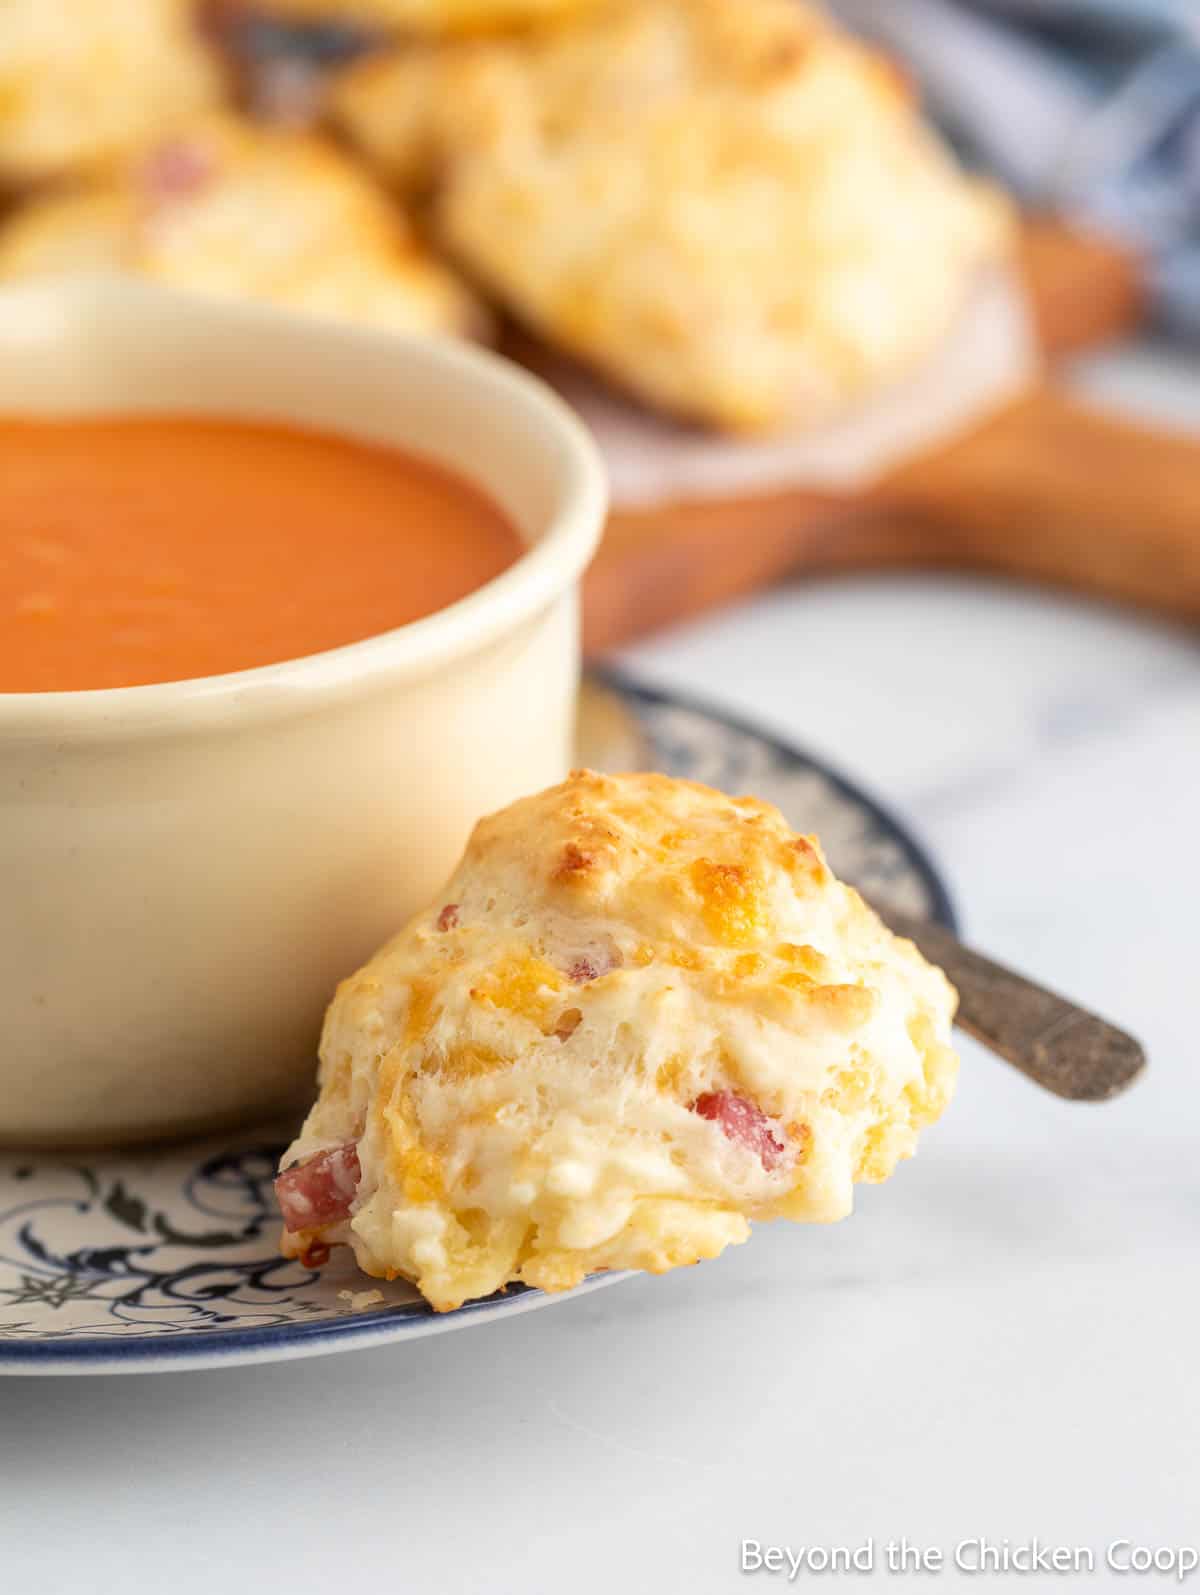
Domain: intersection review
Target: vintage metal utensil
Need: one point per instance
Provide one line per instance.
(1063, 1047)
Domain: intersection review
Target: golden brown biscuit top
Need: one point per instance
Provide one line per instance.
(670, 859)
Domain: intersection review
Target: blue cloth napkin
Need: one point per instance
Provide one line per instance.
(1087, 107)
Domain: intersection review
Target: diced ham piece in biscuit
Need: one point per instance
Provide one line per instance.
(745, 1123)
(320, 1190)
(177, 169)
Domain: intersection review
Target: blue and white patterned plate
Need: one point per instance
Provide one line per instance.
(166, 1258)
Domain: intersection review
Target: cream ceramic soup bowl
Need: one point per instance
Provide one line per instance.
(186, 870)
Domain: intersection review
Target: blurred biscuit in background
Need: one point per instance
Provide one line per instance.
(427, 16)
(72, 231)
(85, 81)
(390, 106)
(227, 208)
(729, 206)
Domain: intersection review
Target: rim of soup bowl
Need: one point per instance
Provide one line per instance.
(544, 571)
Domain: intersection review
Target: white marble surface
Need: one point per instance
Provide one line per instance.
(1001, 1343)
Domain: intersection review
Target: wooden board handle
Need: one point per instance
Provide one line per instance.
(658, 566)
(1050, 490)
(1057, 491)
(1084, 288)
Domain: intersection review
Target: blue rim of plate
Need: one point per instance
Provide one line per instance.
(360, 1329)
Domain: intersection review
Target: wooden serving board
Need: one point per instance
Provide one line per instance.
(1048, 489)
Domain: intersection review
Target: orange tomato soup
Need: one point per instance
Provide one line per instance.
(135, 550)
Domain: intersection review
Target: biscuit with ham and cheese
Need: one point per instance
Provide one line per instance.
(641, 1015)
